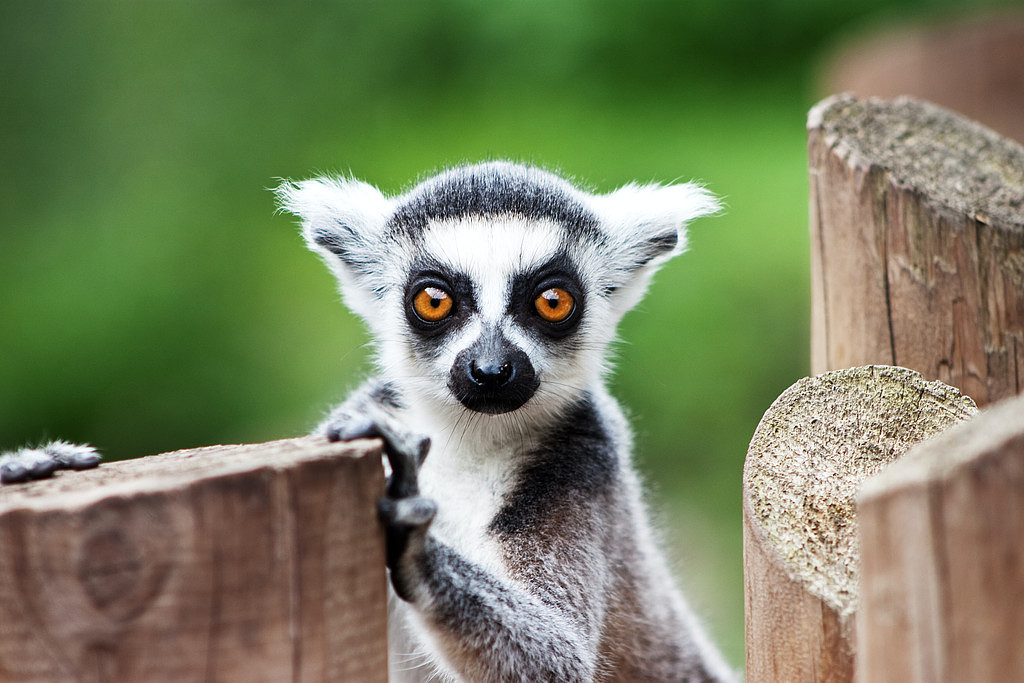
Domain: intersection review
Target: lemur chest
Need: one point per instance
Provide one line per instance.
(470, 487)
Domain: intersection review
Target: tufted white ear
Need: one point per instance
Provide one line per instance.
(647, 222)
(342, 220)
(645, 225)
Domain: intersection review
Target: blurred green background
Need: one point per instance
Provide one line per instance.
(151, 299)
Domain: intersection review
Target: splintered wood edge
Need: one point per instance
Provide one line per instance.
(952, 161)
(812, 449)
(175, 470)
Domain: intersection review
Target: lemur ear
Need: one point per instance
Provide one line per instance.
(646, 224)
(342, 220)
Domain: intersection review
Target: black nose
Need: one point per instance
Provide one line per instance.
(492, 374)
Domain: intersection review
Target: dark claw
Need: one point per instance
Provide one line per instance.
(405, 452)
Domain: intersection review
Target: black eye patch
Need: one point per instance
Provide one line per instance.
(433, 277)
(527, 288)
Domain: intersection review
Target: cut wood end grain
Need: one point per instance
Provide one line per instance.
(930, 150)
(815, 445)
(948, 453)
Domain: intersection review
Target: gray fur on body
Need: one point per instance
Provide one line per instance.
(519, 547)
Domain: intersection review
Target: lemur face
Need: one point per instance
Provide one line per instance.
(496, 287)
(497, 305)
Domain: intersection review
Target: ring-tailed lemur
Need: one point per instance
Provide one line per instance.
(519, 547)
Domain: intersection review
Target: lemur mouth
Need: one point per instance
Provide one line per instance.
(495, 405)
(493, 384)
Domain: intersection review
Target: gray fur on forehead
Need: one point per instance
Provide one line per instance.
(494, 189)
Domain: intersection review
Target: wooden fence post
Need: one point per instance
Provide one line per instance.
(917, 244)
(813, 447)
(942, 538)
(231, 563)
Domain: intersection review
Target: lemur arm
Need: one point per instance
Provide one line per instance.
(492, 627)
(539, 620)
(372, 398)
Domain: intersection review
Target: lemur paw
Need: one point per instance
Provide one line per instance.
(406, 521)
(405, 513)
(404, 450)
(38, 463)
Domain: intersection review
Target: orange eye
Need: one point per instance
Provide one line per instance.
(432, 304)
(555, 304)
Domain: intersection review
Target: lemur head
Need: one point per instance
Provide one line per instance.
(494, 287)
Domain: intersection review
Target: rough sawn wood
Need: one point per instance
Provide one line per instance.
(942, 548)
(819, 440)
(244, 563)
(917, 244)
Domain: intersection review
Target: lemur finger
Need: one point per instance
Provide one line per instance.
(405, 459)
(371, 426)
(406, 522)
(405, 452)
(356, 427)
(72, 456)
(415, 446)
(27, 464)
(13, 471)
(415, 511)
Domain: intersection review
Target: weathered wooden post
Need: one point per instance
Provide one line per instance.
(819, 440)
(231, 563)
(917, 236)
(942, 547)
(917, 244)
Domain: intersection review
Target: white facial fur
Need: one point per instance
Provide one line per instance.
(491, 252)
(635, 229)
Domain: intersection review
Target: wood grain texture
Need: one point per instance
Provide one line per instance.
(942, 536)
(230, 563)
(819, 440)
(917, 244)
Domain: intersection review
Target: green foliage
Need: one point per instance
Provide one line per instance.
(150, 298)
